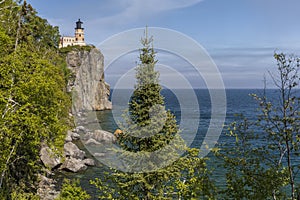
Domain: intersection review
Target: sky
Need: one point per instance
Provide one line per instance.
(240, 36)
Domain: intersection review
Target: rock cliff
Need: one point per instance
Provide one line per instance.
(90, 91)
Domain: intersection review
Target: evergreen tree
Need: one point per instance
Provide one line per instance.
(153, 146)
(72, 191)
(148, 127)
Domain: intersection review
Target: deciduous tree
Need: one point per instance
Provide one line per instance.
(263, 163)
(34, 104)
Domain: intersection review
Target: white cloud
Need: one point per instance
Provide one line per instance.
(159, 5)
(133, 10)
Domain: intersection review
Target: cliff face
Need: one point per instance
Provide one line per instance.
(90, 91)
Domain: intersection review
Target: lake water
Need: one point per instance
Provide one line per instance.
(194, 114)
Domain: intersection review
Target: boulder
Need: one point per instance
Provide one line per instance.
(71, 150)
(105, 136)
(72, 136)
(46, 188)
(89, 162)
(73, 165)
(74, 160)
(92, 141)
(75, 136)
(49, 158)
(68, 138)
(80, 129)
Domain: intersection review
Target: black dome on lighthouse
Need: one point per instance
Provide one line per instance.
(78, 24)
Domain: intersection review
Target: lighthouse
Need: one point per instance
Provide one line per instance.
(78, 39)
(79, 33)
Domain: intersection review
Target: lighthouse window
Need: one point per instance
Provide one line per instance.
(79, 35)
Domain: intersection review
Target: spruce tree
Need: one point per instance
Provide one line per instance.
(154, 168)
(149, 127)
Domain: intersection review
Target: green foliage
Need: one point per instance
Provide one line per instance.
(34, 28)
(9, 18)
(148, 126)
(5, 43)
(72, 191)
(24, 196)
(186, 178)
(66, 50)
(262, 164)
(150, 139)
(33, 101)
(23, 25)
(250, 174)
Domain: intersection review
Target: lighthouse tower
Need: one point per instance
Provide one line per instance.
(66, 41)
(79, 34)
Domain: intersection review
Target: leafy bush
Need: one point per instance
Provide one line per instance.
(72, 191)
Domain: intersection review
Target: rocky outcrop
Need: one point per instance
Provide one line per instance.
(92, 142)
(89, 162)
(72, 151)
(73, 165)
(46, 188)
(90, 91)
(98, 136)
(73, 159)
(72, 136)
(49, 158)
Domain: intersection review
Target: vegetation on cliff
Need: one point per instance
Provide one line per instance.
(66, 50)
(34, 104)
(72, 191)
(34, 107)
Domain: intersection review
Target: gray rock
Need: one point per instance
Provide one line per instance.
(49, 158)
(89, 162)
(92, 141)
(73, 165)
(101, 135)
(71, 150)
(80, 129)
(72, 136)
(46, 188)
(75, 136)
(90, 91)
(68, 138)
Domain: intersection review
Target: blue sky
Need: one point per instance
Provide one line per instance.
(239, 35)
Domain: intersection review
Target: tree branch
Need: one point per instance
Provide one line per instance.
(6, 164)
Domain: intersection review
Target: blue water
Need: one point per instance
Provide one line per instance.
(190, 112)
(238, 101)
